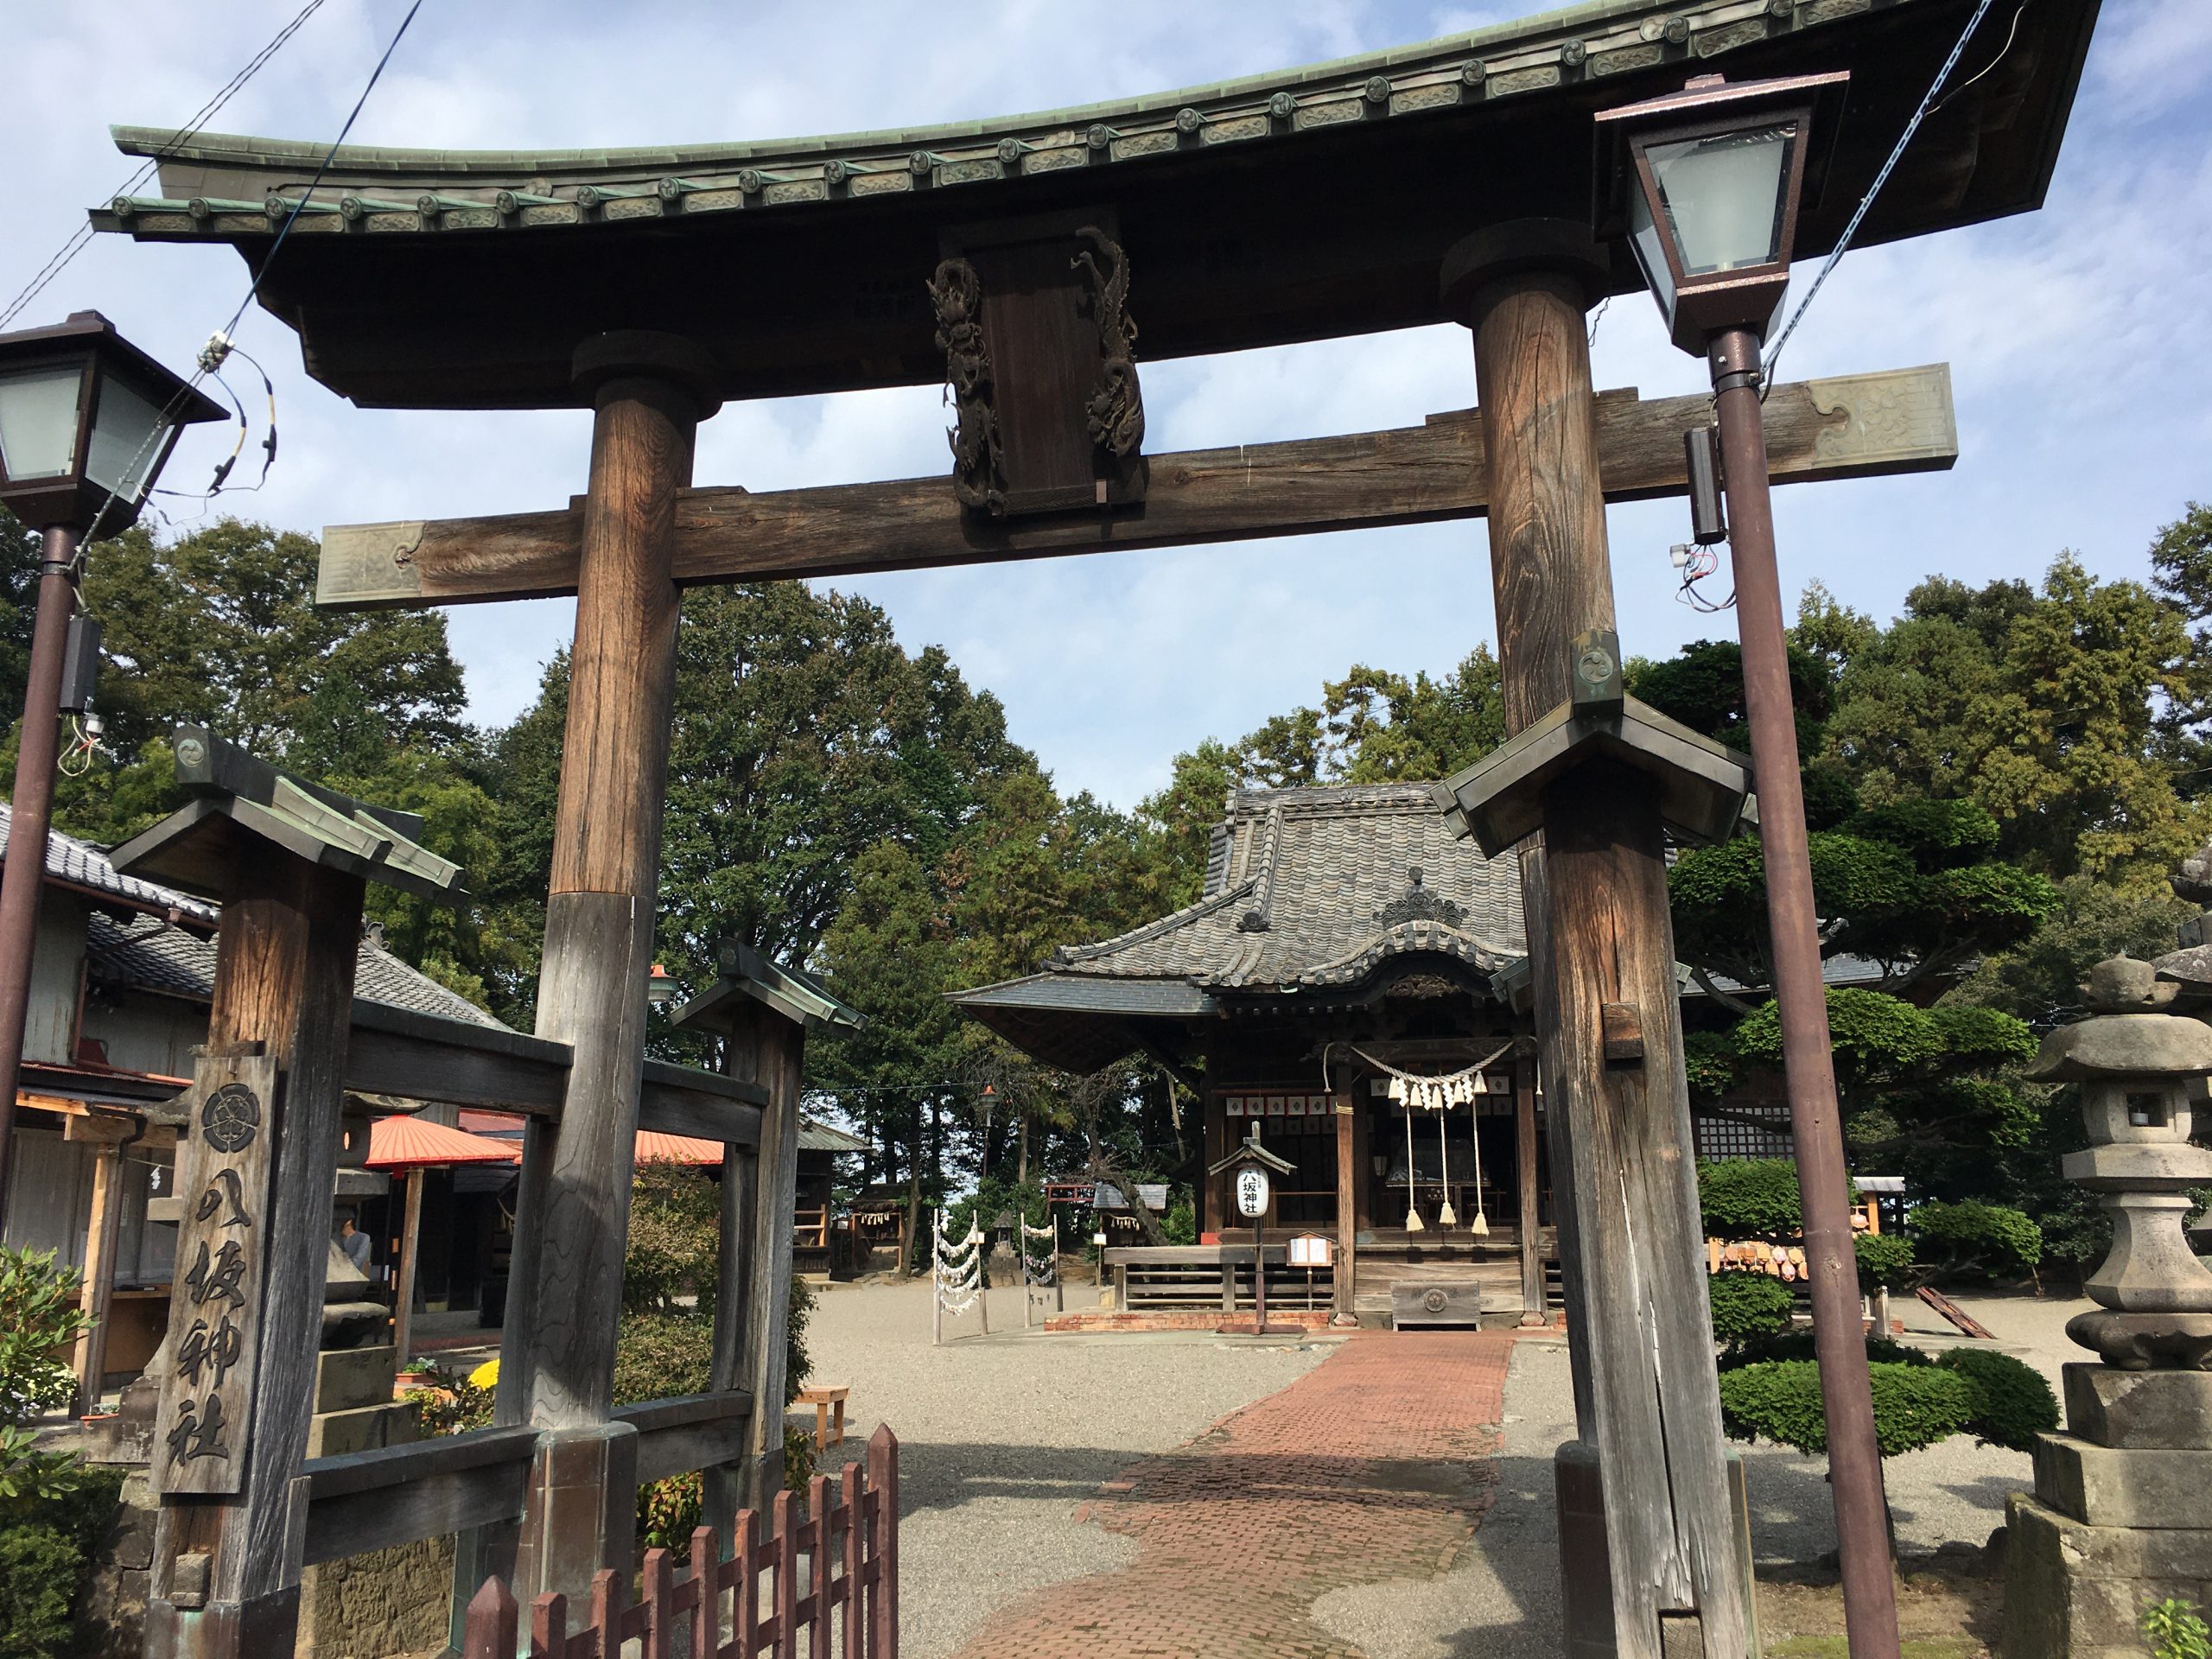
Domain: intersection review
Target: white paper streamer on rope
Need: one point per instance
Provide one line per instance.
(1040, 1272)
(1437, 1093)
(957, 1269)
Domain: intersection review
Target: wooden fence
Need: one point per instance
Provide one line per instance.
(828, 1581)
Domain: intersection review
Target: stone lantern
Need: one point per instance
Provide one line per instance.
(2118, 1519)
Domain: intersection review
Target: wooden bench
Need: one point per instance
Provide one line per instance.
(829, 1430)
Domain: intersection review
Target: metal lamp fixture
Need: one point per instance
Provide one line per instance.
(661, 987)
(86, 420)
(1705, 183)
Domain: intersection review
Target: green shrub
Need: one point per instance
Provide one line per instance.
(1747, 1304)
(673, 1247)
(1915, 1406)
(1884, 1259)
(2175, 1631)
(1982, 1240)
(2016, 1404)
(659, 1356)
(1750, 1198)
(1180, 1225)
(1797, 1343)
(38, 1322)
(47, 1544)
(1709, 1064)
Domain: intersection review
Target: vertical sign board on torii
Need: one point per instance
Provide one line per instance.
(206, 1420)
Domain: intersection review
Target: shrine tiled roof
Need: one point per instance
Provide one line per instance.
(1309, 892)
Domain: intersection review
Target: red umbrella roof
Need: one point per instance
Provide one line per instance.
(414, 1143)
(657, 1147)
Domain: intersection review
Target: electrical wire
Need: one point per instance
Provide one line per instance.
(1859, 214)
(82, 236)
(218, 345)
(331, 155)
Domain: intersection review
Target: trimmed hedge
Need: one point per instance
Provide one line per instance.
(1915, 1406)
(1884, 1259)
(47, 1547)
(2016, 1403)
(1750, 1198)
(1746, 1304)
(1797, 1343)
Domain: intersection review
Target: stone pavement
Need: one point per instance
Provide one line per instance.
(1371, 1468)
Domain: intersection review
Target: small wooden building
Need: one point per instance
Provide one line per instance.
(1346, 940)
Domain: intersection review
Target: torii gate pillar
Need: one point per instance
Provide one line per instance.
(1647, 1525)
(649, 392)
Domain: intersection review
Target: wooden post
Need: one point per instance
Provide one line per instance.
(727, 1487)
(1595, 897)
(765, 1047)
(1533, 1311)
(226, 1577)
(410, 1235)
(649, 393)
(97, 1292)
(1347, 1213)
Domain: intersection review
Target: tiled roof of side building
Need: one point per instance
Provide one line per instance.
(82, 865)
(148, 952)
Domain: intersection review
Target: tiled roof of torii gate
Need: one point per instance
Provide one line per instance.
(1311, 202)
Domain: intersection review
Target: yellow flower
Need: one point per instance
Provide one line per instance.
(486, 1376)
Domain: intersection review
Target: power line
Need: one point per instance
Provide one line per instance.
(218, 344)
(1866, 202)
(82, 236)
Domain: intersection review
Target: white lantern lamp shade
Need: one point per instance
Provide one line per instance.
(1706, 185)
(86, 420)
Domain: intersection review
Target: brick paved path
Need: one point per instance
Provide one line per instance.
(1368, 1467)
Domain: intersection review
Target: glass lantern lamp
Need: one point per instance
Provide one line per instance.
(86, 421)
(1706, 184)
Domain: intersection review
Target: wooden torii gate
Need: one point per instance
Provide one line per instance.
(1448, 181)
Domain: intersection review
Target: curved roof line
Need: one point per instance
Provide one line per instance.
(234, 148)
(1408, 938)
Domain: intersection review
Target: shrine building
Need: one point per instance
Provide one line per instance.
(1346, 940)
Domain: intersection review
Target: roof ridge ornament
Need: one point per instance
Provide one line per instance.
(1420, 903)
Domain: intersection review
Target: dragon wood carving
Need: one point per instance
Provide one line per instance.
(1115, 415)
(978, 456)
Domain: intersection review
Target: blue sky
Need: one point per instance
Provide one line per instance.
(2080, 337)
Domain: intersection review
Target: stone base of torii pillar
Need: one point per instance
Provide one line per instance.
(2119, 1519)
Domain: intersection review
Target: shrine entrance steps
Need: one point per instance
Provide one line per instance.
(1371, 1467)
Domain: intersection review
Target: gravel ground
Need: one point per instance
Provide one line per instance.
(1002, 1436)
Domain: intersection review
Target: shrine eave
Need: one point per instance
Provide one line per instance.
(1313, 202)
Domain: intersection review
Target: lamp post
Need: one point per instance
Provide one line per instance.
(86, 420)
(1706, 184)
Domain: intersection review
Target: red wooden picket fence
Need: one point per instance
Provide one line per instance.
(843, 1601)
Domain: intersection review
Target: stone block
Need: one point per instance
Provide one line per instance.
(2149, 1267)
(346, 1377)
(2074, 1591)
(2125, 1046)
(2151, 1166)
(2110, 1486)
(366, 1428)
(2161, 1411)
(2140, 1342)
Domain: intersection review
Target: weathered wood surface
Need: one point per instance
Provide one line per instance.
(764, 1048)
(698, 1430)
(706, 1105)
(1594, 890)
(575, 1188)
(284, 980)
(410, 1244)
(424, 1056)
(1349, 1172)
(394, 1495)
(1524, 1169)
(1896, 421)
(102, 1228)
